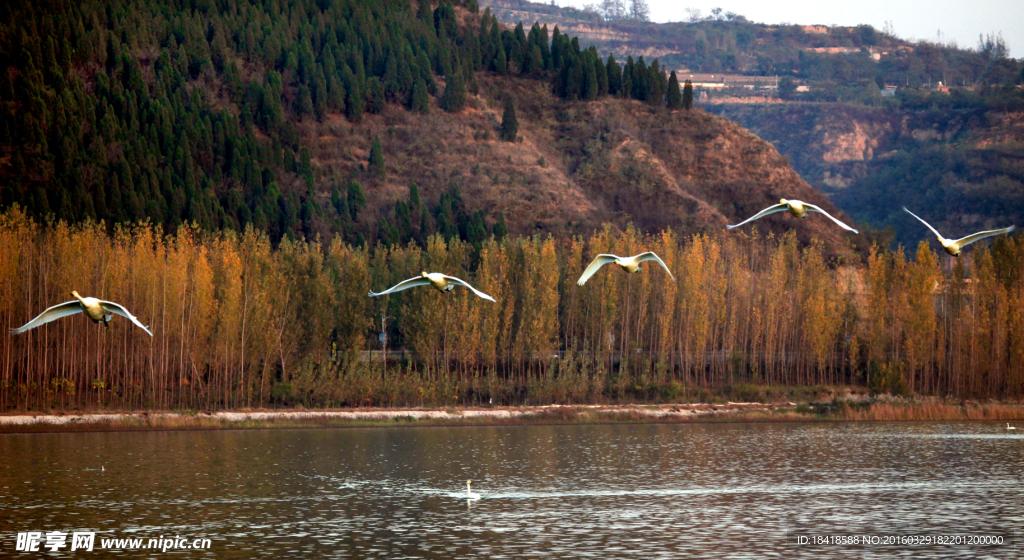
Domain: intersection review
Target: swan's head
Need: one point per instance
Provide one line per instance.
(783, 201)
(75, 295)
(423, 274)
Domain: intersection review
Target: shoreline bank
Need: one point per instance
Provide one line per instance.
(875, 410)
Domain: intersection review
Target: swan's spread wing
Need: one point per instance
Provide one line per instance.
(455, 280)
(403, 285)
(51, 314)
(119, 310)
(814, 208)
(650, 256)
(982, 235)
(770, 210)
(937, 234)
(599, 261)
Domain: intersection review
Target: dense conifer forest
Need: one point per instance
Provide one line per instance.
(190, 112)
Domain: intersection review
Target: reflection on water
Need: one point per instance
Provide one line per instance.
(609, 491)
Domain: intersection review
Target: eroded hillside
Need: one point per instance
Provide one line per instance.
(575, 165)
(964, 169)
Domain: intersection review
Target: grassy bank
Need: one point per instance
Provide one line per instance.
(864, 410)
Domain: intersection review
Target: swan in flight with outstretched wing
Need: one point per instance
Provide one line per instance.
(797, 208)
(629, 264)
(439, 281)
(95, 309)
(953, 247)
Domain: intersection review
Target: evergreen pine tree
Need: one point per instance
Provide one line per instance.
(590, 85)
(340, 204)
(500, 229)
(426, 227)
(454, 98)
(425, 13)
(602, 76)
(414, 197)
(419, 101)
(403, 222)
(356, 198)
(509, 124)
(688, 95)
(520, 49)
(640, 79)
(501, 61)
(335, 96)
(306, 167)
(476, 230)
(303, 102)
(377, 159)
(614, 72)
(387, 234)
(545, 49)
(354, 102)
(674, 95)
(627, 79)
(535, 62)
(375, 96)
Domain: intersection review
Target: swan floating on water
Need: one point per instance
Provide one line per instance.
(629, 264)
(440, 282)
(797, 208)
(1009, 427)
(95, 309)
(953, 247)
(470, 495)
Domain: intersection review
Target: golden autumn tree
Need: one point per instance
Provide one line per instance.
(919, 344)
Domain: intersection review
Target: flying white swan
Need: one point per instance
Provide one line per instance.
(953, 247)
(629, 264)
(439, 281)
(95, 309)
(1009, 427)
(470, 495)
(797, 208)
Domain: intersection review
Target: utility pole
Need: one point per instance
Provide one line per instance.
(383, 338)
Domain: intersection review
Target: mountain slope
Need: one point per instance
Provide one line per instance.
(365, 120)
(963, 169)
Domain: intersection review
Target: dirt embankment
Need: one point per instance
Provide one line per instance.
(882, 409)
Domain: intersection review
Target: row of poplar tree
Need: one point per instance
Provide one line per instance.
(239, 323)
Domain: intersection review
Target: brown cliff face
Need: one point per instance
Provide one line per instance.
(577, 165)
(872, 161)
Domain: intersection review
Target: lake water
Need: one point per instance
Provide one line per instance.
(604, 491)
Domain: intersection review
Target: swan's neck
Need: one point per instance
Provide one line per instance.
(78, 297)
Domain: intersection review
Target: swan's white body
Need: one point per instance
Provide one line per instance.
(1009, 427)
(954, 246)
(470, 495)
(629, 264)
(439, 281)
(797, 208)
(96, 309)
